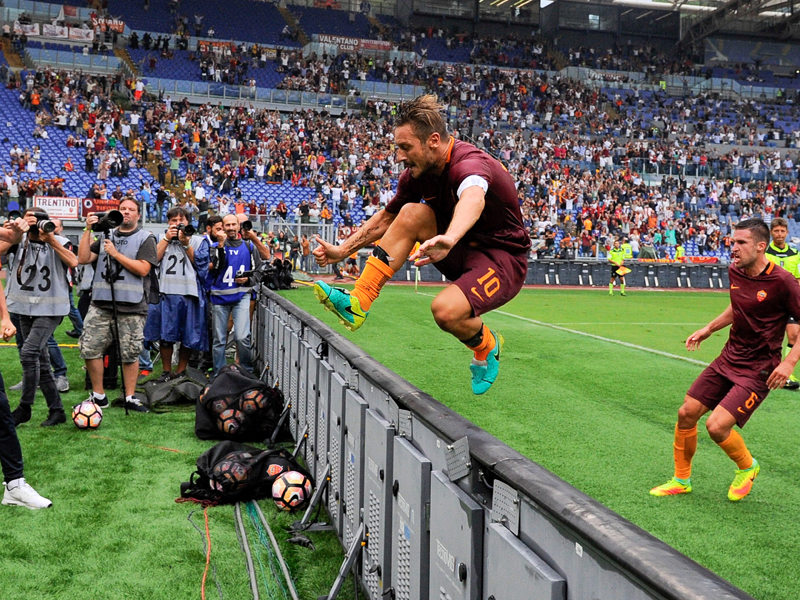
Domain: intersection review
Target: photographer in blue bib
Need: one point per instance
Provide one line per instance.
(230, 291)
(180, 316)
(124, 257)
(37, 291)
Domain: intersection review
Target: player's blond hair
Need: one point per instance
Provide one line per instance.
(424, 114)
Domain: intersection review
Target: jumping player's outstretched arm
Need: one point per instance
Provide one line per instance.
(467, 212)
(372, 230)
(722, 321)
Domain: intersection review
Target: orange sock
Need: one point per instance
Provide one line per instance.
(735, 448)
(368, 286)
(684, 447)
(487, 345)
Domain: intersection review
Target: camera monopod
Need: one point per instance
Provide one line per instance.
(110, 276)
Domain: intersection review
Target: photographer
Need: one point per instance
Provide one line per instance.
(37, 290)
(180, 316)
(230, 292)
(124, 257)
(17, 492)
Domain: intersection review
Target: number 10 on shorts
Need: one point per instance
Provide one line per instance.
(489, 283)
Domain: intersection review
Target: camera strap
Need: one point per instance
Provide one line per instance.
(113, 267)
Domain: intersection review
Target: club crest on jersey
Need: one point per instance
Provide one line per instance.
(761, 295)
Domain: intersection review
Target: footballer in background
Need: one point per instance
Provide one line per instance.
(763, 297)
(784, 255)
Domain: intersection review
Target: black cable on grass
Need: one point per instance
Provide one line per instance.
(205, 549)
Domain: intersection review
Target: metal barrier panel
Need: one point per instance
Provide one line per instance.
(666, 276)
(284, 359)
(585, 276)
(283, 368)
(311, 401)
(684, 277)
(421, 535)
(324, 374)
(336, 449)
(275, 337)
(411, 544)
(302, 401)
(263, 338)
(291, 362)
(353, 475)
(578, 563)
(456, 523)
(509, 560)
(378, 458)
(551, 273)
(341, 366)
(377, 399)
(568, 273)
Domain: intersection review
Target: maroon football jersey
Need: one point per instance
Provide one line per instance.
(500, 224)
(762, 306)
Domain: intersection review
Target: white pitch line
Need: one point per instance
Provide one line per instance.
(596, 337)
(605, 339)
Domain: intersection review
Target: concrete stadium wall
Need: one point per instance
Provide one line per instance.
(501, 528)
(589, 273)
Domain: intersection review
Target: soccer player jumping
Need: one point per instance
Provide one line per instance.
(763, 297)
(461, 205)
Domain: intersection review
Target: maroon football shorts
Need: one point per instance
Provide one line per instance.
(713, 389)
(489, 277)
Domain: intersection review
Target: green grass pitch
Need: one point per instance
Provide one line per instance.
(115, 531)
(600, 414)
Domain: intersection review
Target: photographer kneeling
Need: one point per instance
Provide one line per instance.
(181, 315)
(37, 289)
(124, 258)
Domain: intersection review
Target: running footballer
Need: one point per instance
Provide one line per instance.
(763, 298)
(461, 205)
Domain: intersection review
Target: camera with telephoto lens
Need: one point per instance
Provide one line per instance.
(13, 215)
(107, 220)
(43, 222)
(187, 229)
(247, 225)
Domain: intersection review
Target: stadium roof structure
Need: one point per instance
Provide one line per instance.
(776, 20)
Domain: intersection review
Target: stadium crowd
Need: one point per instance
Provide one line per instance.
(577, 191)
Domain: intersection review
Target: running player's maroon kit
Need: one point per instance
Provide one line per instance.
(490, 262)
(761, 305)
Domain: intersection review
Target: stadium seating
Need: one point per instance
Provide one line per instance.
(330, 21)
(232, 20)
(181, 67)
(17, 126)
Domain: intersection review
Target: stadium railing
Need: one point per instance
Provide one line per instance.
(45, 9)
(450, 511)
(216, 91)
(62, 59)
